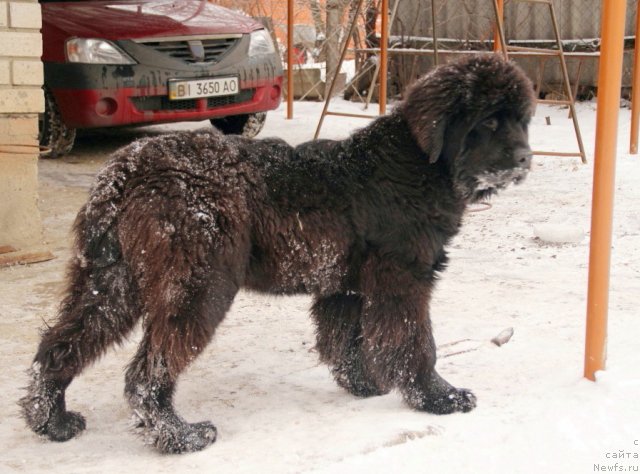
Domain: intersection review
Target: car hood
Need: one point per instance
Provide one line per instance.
(142, 19)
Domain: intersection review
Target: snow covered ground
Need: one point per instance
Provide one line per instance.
(278, 411)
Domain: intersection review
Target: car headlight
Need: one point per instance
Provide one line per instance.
(261, 43)
(95, 51)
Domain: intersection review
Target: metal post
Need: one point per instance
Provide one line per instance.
(435, 34)
(289, 59)
(384, 43)
(498, 41)
(376, 72)
(635, 89)
(609, 81)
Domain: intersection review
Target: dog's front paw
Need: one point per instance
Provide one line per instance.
(455, 400)
(439, 397)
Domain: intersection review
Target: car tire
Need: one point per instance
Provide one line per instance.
(54, 136)
(248, 125)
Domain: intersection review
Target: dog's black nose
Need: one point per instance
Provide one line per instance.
(523, 157)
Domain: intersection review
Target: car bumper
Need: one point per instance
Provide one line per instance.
(90, 108)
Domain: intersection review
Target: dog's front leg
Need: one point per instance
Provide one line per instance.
(397, 339)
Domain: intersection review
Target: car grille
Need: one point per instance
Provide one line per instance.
(162, 103)
(207, 50)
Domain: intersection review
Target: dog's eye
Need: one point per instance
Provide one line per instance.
(491, 123)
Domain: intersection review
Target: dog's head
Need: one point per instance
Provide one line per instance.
(474, 114)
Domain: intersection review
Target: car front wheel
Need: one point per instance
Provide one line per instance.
(56, 138)
(248, 125)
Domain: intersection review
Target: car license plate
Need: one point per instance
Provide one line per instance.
(211, 87)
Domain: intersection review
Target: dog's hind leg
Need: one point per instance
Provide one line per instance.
(98, 311)
(170, 343)
(339, 342)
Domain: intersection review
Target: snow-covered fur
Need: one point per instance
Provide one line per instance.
(175, 225)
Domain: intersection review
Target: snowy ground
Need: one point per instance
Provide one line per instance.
(278, 411)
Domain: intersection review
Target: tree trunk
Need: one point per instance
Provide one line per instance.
(335, 14)
(371, 17)
(316, 14)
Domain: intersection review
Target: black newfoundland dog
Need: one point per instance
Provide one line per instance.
(176, 225)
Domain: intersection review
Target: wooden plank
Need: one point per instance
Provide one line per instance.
(25, 257)
(554, 102)
(555, 153)
(344, 114)
(524, 49)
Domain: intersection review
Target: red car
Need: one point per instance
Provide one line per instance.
(110, 63)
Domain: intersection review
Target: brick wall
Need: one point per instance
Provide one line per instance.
(21, 100)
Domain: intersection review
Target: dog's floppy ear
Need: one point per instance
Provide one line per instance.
(457, 130)
(428, 110)
(433, 141)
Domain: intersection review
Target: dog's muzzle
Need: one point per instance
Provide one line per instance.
(500, 179)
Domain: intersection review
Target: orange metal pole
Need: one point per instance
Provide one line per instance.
(635, 90)
(609, 81)
(384, 42)
(496, 35)
(289, 59)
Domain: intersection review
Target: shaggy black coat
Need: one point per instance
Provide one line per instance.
(175, 225)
